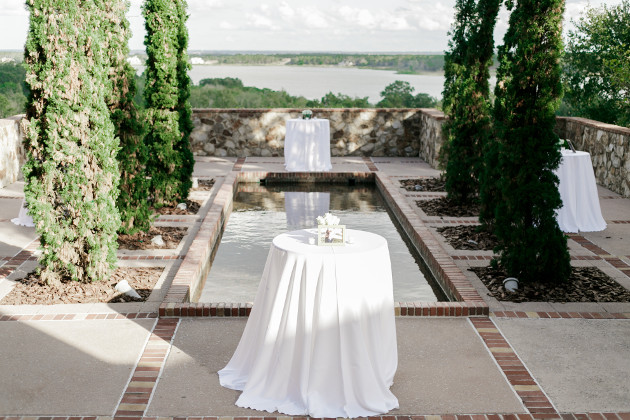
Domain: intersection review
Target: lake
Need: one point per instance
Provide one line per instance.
(315, 82)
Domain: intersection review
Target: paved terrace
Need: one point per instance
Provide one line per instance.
(486, 360)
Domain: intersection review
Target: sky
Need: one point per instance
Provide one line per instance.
(289, 25)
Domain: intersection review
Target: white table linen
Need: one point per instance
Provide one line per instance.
(23, 219)
(321, 337)
(307, 145)
(302, 208)
(580, 211)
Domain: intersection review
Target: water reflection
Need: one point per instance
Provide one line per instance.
(260, 213)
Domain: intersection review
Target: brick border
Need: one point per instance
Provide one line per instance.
(424, 309)
(525, 386)
(15, 262)
(557, 315)
(139, 390)
(370, 164)
(78, 317)
(487, 416)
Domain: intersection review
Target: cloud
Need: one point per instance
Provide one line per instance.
(200, 6)
(313, 18)
(259, 21)
(412, 16)
(227, 26)
(286, 11)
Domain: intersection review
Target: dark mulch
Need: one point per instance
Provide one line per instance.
(192, 207)
(586, 284)
(469, 237)
(204, 185)
(171, 236)
(424, 184)
(443, 206)
(32, 291)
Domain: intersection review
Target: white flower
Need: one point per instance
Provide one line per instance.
(327, 219)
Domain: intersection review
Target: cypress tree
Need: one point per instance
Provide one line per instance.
(466, 96)
(71, 173)
(170, 160)
(527, 95)
(132, 201)
(184, 107)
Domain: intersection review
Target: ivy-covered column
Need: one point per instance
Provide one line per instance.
(528, 92)
(132, 157)
(71, 174)
(170, 159)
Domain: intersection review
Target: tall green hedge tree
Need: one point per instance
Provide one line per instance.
(132, 201)
(597, 65)
(466, 96)
(184, 107)
(71, 173)
(170, 159)
(528, 92)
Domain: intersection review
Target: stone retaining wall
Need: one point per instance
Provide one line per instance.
(353, 132)
(12, 155)
(608, 145)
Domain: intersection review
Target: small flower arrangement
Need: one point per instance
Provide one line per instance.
(328, 219)
(307, 114)
(329, 231)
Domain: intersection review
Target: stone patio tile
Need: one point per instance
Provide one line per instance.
(68, 367)
(577, 307)
(582, 365)
(434, 355)
(616, 307)
(528, 307)
(20, 309)
(75, 308)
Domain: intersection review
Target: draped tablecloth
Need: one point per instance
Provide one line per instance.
(23, 219)
(321, 338)
(580, 211)
(307, 145)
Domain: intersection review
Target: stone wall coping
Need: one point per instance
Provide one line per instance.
(251, 111)
(598, 124)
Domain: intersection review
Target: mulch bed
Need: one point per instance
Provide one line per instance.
(586, 284)
(32, 291)
(443, 206)
(171, 236)
(469, 237)
(424, 184)
(204, 185)
(192, 207)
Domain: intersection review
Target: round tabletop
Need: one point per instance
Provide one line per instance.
(569, 154)
(304, 241)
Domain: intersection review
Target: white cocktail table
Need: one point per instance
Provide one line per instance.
(321, 338)
(580, 211)
(307, 145)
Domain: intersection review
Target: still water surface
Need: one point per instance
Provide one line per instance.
(261, 213)
(315, 82)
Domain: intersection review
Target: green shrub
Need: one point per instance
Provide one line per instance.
(170, 160)
(71, 174)
(532, 246)
(132, 200)
(466, 96)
